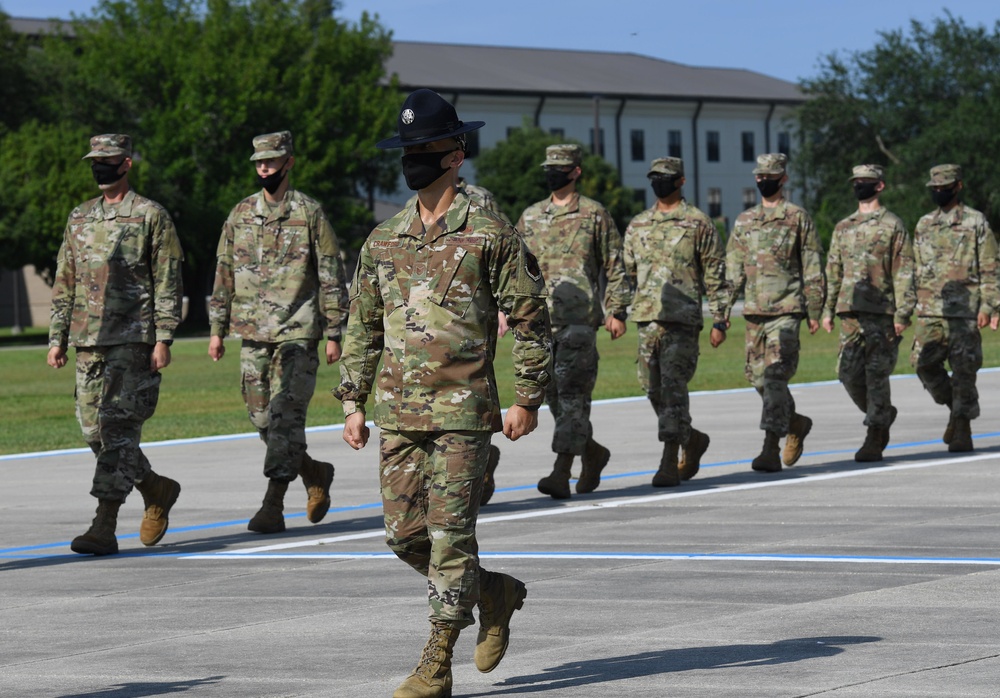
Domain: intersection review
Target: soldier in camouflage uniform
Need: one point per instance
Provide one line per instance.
(280, 286)
(774, 252)
(672, 251)
(576, 242)
(428, 286)
(117, 299)
(869, 276)
(955, 258)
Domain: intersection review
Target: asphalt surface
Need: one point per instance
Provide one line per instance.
(831, 578)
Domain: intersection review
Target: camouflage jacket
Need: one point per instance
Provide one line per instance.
(672, 258)
(279, 274)
(483, 197)
(955, 261)
(118, 275)
(574, 244)
(870, 267)
(426, 304)
(775, 254)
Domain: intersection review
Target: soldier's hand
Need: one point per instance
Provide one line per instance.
(994, 322)
(355, 432)
(716, 337)
(519, 422)
(828, 324)
(502, 327)
(216, 348)
(900, 328)
(615, 326)
(56, 357)
(160, 357)
(813, 326)
(982, 320)
(332, 352)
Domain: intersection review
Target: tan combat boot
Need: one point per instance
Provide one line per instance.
(668, 475)
(871, 449)
(694, 449)
(949, 431)
(595, 458)
(269, 519)
(489, 484)
(100, 537)
(769, 460)
(158, 496)
(317, 477)
(499, 596)
(893, 413)
(961, 440)
(432, 677)
(798, 428)
(556, 484)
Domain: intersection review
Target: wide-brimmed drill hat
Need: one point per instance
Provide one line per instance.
(426, 117)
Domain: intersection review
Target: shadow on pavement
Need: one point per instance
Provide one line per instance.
(150, 688)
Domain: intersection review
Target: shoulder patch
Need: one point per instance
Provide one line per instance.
(531, 267)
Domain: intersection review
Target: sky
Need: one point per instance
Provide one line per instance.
(785, 40)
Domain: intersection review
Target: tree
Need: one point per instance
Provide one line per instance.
(511, 171)
(916, 99)
(193, 82)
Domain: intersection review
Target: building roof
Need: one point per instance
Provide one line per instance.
(530, 71)
(38, 27)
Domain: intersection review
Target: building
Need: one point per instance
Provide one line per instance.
(717, 119)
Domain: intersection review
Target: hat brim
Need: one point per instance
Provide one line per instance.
(399, 142)
(268, 154)
(106, 153)
(932, 183)
(768, 171)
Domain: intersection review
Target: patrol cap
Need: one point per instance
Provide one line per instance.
(109, 145)
(272, 145)
(943, 175)
(771, 164)
(426, 117)
(867, 172)
(563, 155)
(671, 167)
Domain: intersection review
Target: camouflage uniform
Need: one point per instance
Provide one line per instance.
(955, 257)
(117, 292)
(575, 244)
(670, 257)
(869, 274)
(425, 302)
(280, 286)
(776, 255)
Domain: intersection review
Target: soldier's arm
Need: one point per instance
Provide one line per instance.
(736, 252)
(221, 302)
(63, 295)
(712, 259)
(834, 279)
(618, 294)
(333, 296)
(365, 338)
(902, 277)
(989, 285)
(813, 278)
(168, 290)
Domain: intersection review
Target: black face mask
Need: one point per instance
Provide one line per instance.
(664, 186)
(865, 190)
(769, 187)
(106, 173)
(423, 169)
(943, 197)
(273, 180)
(557, 179)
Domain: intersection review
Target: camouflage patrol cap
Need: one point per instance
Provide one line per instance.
(771, 164)
(867, 172)
(672, 167)
(272, 145)
(943, 175)
(563, 155)
(109, 145)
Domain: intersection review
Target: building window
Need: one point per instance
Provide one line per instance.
(599, 149)
(712, 145)
(674, 144)
(749, 153)
(638, 145)
(784, 143)
(714, 202)
(749, 198)
(471, 144)
(558, 132)
(640, 196)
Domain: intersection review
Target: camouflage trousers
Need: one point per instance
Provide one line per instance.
(278, 382)
(574, 365)
(869, 347)
(431, 485)
(115, 394)
(772, 345)
(668, 357)
(957, 341)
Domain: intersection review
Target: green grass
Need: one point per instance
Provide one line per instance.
(201, 398)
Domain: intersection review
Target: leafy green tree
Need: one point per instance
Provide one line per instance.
(917, 99)
(17, 91)
(511, 171)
